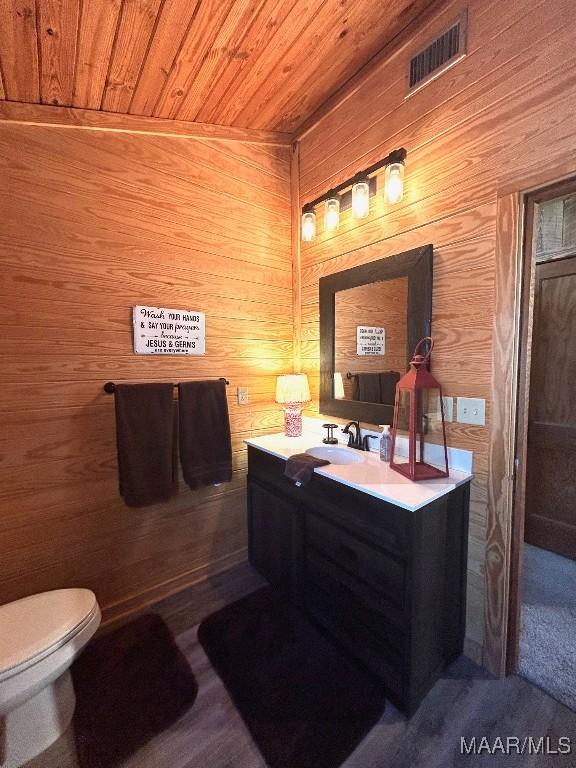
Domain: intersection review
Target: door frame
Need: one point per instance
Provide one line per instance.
(511, 357)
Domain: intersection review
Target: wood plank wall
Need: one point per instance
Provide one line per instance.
(502, 119)
(92, 223)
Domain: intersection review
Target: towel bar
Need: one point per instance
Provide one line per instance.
(110, 387)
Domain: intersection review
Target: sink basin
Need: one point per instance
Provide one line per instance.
(336, 455)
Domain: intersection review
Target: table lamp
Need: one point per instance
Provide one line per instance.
(292, 391)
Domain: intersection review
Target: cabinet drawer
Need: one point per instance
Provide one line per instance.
(354, 610)
(336, 613)
(370, 565)
(269, 470)
(387, 613)
(380, 522)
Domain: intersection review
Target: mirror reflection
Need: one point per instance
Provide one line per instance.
(371, 341)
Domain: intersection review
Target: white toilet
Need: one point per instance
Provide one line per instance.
(40, 636)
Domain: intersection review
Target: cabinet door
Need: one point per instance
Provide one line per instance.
(271, 528)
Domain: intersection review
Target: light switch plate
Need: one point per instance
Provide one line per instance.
(448, 404)
(471, 410)
(242, 393)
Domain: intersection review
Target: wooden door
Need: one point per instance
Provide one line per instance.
(551, 454)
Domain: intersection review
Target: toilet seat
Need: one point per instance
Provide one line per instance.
(36, 626)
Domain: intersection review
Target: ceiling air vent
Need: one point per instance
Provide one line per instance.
(440, 54)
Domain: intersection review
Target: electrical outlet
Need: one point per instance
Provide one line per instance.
(242, 395)
(471, 410)
(448, 405)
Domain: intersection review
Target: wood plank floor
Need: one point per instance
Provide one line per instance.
(466, 702)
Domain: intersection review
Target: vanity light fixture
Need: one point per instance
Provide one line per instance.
(308, 224)
(332, 212)
(355, 194)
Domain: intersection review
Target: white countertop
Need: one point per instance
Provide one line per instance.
(371, 476)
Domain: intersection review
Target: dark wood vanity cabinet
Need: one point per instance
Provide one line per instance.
(387, 583)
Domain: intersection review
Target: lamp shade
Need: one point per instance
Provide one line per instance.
(292, 388)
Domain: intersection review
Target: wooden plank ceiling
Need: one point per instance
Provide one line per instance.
(265, 64)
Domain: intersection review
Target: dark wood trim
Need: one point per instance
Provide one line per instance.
(415, 264)
(527, 311)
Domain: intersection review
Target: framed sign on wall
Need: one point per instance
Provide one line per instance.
(163, 331)
(370, 340)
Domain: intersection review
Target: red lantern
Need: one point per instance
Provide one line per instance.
(418, 421)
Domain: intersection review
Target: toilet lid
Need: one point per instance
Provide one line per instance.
(33, 626)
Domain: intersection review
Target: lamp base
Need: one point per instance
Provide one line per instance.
(420, 471)
(293, 419)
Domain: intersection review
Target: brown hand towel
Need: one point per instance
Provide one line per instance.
(300, 467)
(205, 447)
(355, 388)
(145, 439)
(369, 387)
(388, 381)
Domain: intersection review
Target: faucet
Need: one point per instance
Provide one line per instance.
(366, 441)
(354, 440)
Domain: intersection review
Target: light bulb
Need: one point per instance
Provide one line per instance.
(308, 226)
(394, 183)
(360, 199)
(331, 214)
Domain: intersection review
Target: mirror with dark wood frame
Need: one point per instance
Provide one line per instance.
(371, 318)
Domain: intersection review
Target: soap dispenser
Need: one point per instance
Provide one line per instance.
(385, 442)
